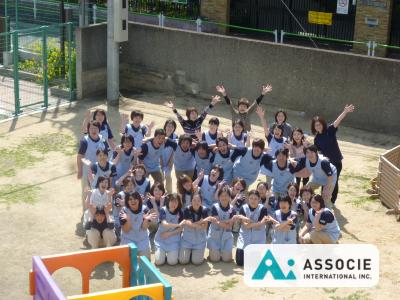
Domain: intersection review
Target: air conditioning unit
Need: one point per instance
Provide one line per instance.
(120, 20)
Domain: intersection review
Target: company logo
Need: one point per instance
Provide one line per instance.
(269, 264)
(311, 265)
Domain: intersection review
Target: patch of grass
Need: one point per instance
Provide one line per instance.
(329, 291)
(228, 284)
(360, 201)
(26, 154)
(18, 193)
(352, 176)
(13, 159)
(358, 295)
(47, 142)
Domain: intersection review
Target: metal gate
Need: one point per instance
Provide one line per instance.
(37, 68)
(272, 14)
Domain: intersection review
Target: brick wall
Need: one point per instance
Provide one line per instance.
(216, 10)
(379, 33)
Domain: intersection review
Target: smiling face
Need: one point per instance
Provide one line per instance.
(127, 145)
(284, 206)
(187, 186)
(136, 121)
(224, 199)
(172, 205)
(237, 129)
(253, 201)
(262, 190)
(193, 116)
(196, 202)
(292, 192)
(280, 118)
(242, 108)
(139, 174)
(315, 205)
(214, 174)
(103, 186)
(318, 127)
(102, 158)
(306, 196)
(99, 218)
(277, 132)
(185, 145)
(202, 152)
(222, 147)
(133, 203)
(212, 128)
(238, 187)
(100, 117)
(169, 129)
(129, 187)
(158, 140)
(257, 151)
(94, 131)
(281, 159)
(311, 156)
(297, 136)
(157, 193)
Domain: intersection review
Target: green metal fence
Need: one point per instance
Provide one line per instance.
(38, 68)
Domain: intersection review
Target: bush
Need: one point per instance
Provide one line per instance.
(54, 63)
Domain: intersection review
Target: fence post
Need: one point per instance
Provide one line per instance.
(94, 13)
(16, 74)
(70, 83)
(282, 34)
(374, 44)
(34, 9)
(369, 48)
(276, 35)
(198, 25)
(160, 20)
(16, 14)
(44, 62)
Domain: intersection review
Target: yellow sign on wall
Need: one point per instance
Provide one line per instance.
(321, 18)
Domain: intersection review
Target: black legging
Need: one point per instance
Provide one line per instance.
(239, 257)
(338, 166)
(305, 180)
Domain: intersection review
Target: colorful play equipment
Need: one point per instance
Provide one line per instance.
(140, 279)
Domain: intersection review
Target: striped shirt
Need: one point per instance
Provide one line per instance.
(190, 126)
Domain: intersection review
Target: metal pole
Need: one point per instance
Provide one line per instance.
(34, 9)
(45, 79)
(112, 58)
(282, 34)
(374, 44)
(70, 61)
(94, 13)
(16, 15)
(369, 48)
(16, 79)
(6, 19)
(198, 25)
(62, 38)
(276, 35)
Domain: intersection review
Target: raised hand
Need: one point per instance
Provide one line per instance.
(221, 90)
(88, 114)
(215, 99)
(266, 89)
(201, 173)
(198, 134)
(169, 104)
(124, 117)
(260, 111)
(349, 108)
(151, 125)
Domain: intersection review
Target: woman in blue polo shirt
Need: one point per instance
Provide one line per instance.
(322, 226)
(326, 142)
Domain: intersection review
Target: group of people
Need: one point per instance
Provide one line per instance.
(214, 204)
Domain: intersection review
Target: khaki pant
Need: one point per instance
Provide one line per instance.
(189, 173)
(326, 194)
(157, 176)
(94, 238)
(170, 256)
(216, 255)
(317, 237)
(197, 256)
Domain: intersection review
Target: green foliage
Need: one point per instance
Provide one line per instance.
(32, 150)
(228, 284)
(358, 295)
(18, 193)
(54, 62)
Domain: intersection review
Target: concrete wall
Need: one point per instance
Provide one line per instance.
(314, 81)
(91, 60)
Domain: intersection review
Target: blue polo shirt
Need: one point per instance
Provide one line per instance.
(327, 144)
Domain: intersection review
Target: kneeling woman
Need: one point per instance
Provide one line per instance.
(220, 238)
(284, 223)
(135, 219)
(168, 236)
(322, 226)
(253, 216)
(193, 243)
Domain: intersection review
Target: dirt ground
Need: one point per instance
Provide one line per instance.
(41, 208)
